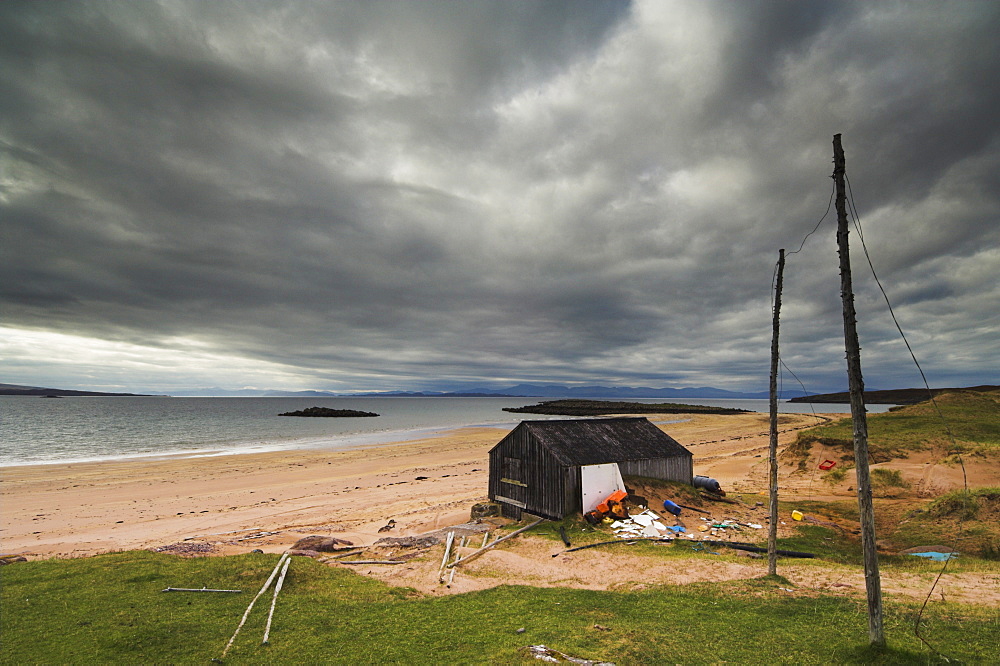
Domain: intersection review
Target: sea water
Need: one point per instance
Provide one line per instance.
(35, 430)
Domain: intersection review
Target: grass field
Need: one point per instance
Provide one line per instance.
(110, 609)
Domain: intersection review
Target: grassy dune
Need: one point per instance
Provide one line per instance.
(972, 418)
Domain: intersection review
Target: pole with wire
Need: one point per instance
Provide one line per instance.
(772, 533)
(859, 418)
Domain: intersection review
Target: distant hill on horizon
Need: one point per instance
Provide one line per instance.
(908, 396)
(17, 389)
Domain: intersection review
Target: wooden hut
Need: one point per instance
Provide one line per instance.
(537, 467)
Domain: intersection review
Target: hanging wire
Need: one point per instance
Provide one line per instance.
(930, 393)
(804, 391)
(829, 204)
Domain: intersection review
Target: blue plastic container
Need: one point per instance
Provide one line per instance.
(671, 507)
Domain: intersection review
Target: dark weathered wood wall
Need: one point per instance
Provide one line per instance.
(680, 468)
(544, 490)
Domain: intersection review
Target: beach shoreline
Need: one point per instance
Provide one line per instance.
(422, 483)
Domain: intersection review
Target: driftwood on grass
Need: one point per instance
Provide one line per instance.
(500, 540)
(246, 614)
(274, 600)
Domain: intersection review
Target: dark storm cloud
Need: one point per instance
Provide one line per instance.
(381, 194)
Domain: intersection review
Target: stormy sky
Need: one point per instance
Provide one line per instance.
(407, 195)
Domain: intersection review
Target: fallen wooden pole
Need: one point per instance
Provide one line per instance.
(605, 543)
(491, 545)
(755, 549)
(246, 614)
(373, 562)
(731, 544)
(195, 589)
(691, 508)
(202, 536)
(259, 535)
(274, 600)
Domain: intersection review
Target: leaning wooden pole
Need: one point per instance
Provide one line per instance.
(873, 583)
(772, 533)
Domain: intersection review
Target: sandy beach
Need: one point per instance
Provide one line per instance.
(79, 509)
(238, 503)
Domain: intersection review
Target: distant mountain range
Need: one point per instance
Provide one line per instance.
(897, 396)
(560, 391)
(515, 391)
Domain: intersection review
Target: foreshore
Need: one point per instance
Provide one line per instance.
(236, 503)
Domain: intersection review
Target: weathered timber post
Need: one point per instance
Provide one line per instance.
(873, 584)
(772, 533)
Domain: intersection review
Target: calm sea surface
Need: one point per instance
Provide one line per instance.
(46, 430)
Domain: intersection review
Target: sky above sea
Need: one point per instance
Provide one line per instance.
(392, 195)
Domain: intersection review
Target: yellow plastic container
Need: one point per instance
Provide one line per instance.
(797, 515)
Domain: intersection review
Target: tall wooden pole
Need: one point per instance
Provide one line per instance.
(772, 534)
(873, 584)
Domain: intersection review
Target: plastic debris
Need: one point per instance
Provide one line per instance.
(644, 524)
(937, 557)
(670, 507)
(547, 654)
(797, 515)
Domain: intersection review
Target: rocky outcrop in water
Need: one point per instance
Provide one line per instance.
(326, 411)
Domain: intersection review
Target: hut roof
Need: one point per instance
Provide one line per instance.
(600, 441)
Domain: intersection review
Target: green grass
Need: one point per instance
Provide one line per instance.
(109, 609)
(973, 418)
(835, 476)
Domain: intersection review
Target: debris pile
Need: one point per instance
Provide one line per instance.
(186, 549)
(645, 524)
(722, 528)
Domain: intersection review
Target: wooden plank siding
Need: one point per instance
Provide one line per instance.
(536, 467)
(541, 475)
(669, 469)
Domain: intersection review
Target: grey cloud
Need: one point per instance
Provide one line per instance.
(408, 192)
